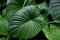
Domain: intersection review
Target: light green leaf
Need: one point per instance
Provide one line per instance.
(3, 26)
(42, 6)
(12, 7)
(52, 33)
(10, 10)
(27, 22)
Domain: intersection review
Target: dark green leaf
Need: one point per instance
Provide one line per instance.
(29, 2)
(54, 9)
(26, 23)
(12, 7)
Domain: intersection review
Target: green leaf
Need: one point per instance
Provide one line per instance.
(43, 8)
(3, 26)
(10, 10)
(54, 9)
(12, 7)
(52, 33)
(18, 2)
(11, 1)
(26, 23)
(29, 2)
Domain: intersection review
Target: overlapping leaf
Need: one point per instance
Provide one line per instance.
(44, 8)
(54, 9)
(52, 33)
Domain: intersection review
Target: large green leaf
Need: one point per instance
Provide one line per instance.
(26, 23)
(3, 26)
(54, 9)
(52, 33)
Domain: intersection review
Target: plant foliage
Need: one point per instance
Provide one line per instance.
(24, 19)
